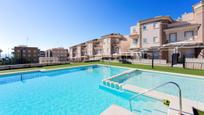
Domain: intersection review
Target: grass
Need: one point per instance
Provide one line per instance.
(138, 66)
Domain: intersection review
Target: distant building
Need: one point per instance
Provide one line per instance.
(24, 54)
(55, 55)
(113, 45)
(42, 54)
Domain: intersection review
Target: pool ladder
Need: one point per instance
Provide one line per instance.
(149, 90)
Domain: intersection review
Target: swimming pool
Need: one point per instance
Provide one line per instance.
(192, 87)
(74, 91)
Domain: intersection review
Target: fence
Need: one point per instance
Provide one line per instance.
(19, 66)
(149, 61)
(145, 61)
(195, 63)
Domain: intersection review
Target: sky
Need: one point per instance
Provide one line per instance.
(63, 23)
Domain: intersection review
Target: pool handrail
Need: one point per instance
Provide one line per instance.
(149, 90)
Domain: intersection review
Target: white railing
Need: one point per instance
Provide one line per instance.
(149, 61)
(152, 89)
(195, 63)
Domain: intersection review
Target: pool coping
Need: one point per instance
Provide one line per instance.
(44, 70)
(171, 73)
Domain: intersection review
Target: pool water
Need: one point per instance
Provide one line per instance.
(192, 88)
(75, 91)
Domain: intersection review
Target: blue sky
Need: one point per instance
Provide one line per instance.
(62, 23)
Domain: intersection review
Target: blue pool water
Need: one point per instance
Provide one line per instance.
(192, 88)
(73, 91)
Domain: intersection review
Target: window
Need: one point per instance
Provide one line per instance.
(172, 37)
(133, 30)
(155, 39)
(155, 25)
(135, 41)
(145, 40)
(144, 27)
(188, 35)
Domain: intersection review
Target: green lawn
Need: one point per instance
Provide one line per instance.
(139, 66)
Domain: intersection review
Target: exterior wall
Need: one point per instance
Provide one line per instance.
(199, 18)
(90, 49)
(98, 48)
(135, 29)
(42, 54)
(107, 46)
(48, 53)
(70, 53)
(188, 17)
(180, 34)
(149, 35)
(125, 44)
(24, 54)
(78, 52)
(61, 53)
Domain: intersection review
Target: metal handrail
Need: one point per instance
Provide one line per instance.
(180, 99)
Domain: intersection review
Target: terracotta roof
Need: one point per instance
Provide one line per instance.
(156, 19)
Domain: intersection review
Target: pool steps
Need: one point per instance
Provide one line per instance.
(108, 82)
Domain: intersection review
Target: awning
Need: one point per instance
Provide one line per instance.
(182, 27)
(183, 44)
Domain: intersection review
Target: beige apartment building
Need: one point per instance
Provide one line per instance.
(55, 55)
(166, 36)
(108, 46)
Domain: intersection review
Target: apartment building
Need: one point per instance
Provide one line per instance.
(114, 45)
(148, 36)
(107, 46)
(24, 54)
(55, 55)
(186, 35)
(166, 36)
